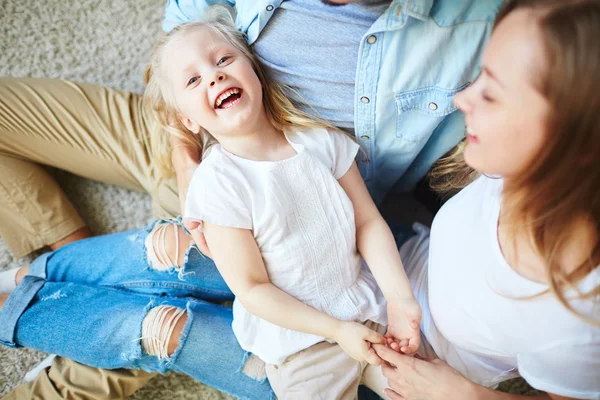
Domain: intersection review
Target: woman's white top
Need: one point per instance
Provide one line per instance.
(303, 223)
(473, 317)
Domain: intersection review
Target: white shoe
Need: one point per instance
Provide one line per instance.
(31, 375)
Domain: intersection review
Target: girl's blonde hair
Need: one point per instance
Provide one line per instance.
(563, 182)
(280, 111)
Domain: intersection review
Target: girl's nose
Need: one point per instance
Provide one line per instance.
(219, 77)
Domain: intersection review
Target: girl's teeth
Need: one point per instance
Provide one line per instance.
(225, 95)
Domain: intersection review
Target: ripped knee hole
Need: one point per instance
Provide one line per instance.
(166, 246)
(161, 330)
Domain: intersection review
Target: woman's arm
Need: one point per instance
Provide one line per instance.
(415, 378)
(377, 246)
(239, 261)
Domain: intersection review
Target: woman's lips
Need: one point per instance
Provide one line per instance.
(472, 139)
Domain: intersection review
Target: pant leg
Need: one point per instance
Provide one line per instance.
(24, 225)
(322, 371)
(67, 379)
(119, 261)
(102, 327)
(91, 131)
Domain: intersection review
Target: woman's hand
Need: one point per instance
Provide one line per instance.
(356, 340)
(413, 378)
(404, 321)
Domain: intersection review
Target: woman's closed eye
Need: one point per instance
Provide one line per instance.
(486, 97)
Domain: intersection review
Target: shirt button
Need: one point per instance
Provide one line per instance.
(372, 39)
(433, 106)
(269, 8)
(364, 99)
(364, 137)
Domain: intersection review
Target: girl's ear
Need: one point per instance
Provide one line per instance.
(189, 124)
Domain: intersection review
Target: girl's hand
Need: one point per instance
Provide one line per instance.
(404, 319)
(356, 339)
(414, 378)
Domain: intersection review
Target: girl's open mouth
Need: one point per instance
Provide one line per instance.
(228, 98)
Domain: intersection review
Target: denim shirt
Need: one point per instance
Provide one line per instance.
(411, 63)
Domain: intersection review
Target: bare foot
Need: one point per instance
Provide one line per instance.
(79, 234)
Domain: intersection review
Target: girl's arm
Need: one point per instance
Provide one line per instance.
(374, 239)
(239, 261)
(377, 246)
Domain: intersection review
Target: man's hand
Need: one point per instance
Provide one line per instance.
(356, 340)
(404, 321)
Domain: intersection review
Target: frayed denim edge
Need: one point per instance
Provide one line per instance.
(174, 268)
(168, 363)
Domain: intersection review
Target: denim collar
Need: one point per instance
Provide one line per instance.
(416, 8)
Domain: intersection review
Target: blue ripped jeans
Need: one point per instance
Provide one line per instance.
(87, 301)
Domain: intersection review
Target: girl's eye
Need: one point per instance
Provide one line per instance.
(193, 80)
(222, 60)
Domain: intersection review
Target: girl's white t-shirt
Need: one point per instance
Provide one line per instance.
(303, 223)
(474, 316)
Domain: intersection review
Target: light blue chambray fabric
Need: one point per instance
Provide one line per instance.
(411, 62)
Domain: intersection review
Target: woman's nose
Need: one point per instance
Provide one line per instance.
(218, 77)
(462, 99)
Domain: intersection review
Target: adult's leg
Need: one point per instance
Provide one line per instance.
(95, 132)
(160, 260)
(112, 328)
(121, 260)
(67, 379)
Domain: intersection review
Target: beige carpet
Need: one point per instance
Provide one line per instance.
(105, 42)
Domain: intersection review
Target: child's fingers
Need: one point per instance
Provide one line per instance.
(411, 346)
(374, 337)
(372, 357)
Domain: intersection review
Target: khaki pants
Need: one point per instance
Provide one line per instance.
(94, 132)
(66, 379)
(325, 372)
(90, 131)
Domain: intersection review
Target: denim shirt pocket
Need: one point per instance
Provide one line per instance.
(420, 111)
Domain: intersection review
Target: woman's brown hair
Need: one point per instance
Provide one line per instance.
(563, 181)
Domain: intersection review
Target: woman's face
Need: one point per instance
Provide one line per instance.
(505, 114)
